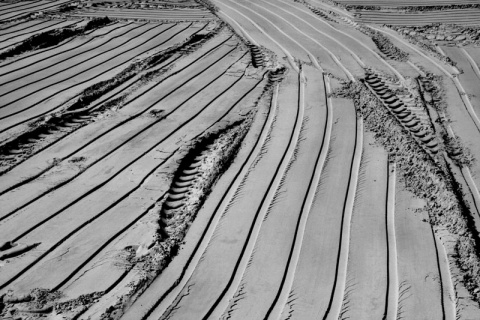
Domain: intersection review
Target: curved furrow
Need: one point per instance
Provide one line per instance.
(201, 110)
(50, 62)
(217, 264)
(319, 44)
(457, 83)
(161, 293)
(34, 24)
(138, 133)
(335, 304)
(3, 64)
(343, 43)
(134, 133)
(116, 93)
(33, 32)
(7, 16)
(15, 7)
(285, 288)
(16, 87)
(280, 30)
(16, 179)
(131, 207)
(391, 307)
(37, 113)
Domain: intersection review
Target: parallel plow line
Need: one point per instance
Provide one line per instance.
(21, 29)
(138, 133)
(90, 142)
(31, 32)
(54, 48)
(335, 304)
(222, 301)
(221, 207)
(82, 82)
(75, 55)
(26, 12)
(72, 66)
(283, 293)
(181, 126)
(58, 287)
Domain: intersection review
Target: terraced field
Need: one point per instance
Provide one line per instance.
(230, 159)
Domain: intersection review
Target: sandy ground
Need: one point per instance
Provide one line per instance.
(309, 221)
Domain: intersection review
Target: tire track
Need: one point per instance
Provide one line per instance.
(33, 32)
(30, 11)
(118, 125)
(202, 244)
(103, 183)
(391, 303)
(282, 296)
(335, 303)
(455, 80)
(349, 36)
(334, 58)
(75, 55)
(30, 54)
(16, 88)
(81, 82)
(91, 141)
(90, 258)
(222, 301)
(22, 4)
(141, 131)
(24, 28)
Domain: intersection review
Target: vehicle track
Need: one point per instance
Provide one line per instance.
(347, 35)
(109, 153)
(222, 301)
(73, 56)
(134, 116)
(50, 75)
(14, 8)
(98, 215)
(110, 130)
(81, 82)
(330, 53)
(146, 211)
(28, 11)
(4, 64)
(335, 304)
(35, 24)
(33, 32)
(206, 236)
(391, 302)
(276, 308)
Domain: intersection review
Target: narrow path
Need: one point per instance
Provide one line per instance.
(391, 307)
(335, 305)
(275, 310)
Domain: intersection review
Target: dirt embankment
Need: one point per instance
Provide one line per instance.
(427, 180)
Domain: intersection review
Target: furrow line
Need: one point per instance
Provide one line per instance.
(391, 303)
(63, 183)
(81, 82)
(91, 141)
(192, 262)
(68, 58)
(54, 48)
(223, 300)
(103, 183)
(72, 66)
(205, 238)
(335, 303)
(275, 310)
(334, 57)
(34, 31)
